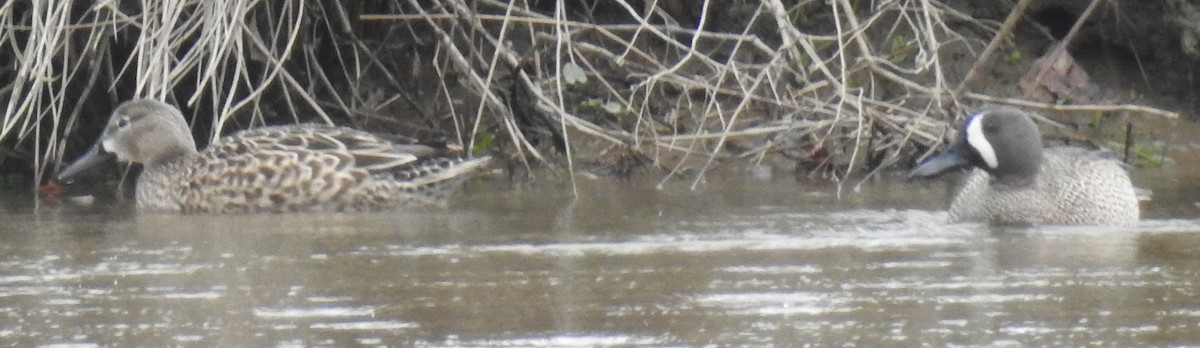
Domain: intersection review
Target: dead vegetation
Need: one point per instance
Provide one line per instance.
(670, 88)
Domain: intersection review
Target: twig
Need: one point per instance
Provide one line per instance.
(1084, 107)
(1013, 16)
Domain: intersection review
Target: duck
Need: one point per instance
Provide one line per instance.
(1016, 181)
(273, 169)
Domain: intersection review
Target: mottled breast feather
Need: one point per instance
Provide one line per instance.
(1073, 187)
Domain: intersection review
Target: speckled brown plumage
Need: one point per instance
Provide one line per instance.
(274, 169)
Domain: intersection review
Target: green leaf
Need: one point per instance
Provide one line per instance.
(483, 144)
(1013, 58)
(591, 102)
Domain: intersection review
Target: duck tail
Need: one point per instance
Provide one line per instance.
(434, 179)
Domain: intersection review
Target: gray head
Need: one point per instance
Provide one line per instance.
(140, 131)
(1002, 141)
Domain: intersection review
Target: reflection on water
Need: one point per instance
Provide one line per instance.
(745, 264)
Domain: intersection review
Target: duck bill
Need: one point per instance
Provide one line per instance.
(95, 156)
(951, 159)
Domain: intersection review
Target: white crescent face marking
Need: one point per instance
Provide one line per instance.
(110, 146)
(979, 142)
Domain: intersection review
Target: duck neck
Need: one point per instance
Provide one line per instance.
(174, 155)
(1019, 168)
(1015, 180)
(161, 182)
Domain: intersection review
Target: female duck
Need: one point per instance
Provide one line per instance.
(270, 169)
(1017, 182)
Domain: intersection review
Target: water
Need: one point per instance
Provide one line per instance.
(741, 263)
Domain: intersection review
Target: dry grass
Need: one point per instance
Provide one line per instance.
(841, 87)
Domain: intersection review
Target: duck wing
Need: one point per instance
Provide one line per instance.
(292, 168)
(364, 150)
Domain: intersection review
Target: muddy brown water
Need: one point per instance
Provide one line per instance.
(742, 262)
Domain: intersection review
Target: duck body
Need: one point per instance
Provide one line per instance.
(1017, 182)
(1074, 187)
(295, 168)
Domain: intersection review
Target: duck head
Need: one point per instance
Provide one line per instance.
(140, 131)
(1002, 141)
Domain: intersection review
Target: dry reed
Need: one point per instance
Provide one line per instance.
(852, 86)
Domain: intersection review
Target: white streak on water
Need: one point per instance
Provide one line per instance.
(773, 303)
(995, 298)
(916, 264)
(689, 244)
(798, 269)
(365, 325)
(210, 295)
(582, 340)
(62, 302)
(1138, 329)
(1186, 312)
(868, 230)
(188, 338)
(1027, 330)
(326, 312)
(40, 278)
(327, 299)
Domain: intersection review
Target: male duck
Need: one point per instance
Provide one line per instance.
(270, 169)
(1017, 182)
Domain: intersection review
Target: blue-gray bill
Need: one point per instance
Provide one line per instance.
(95, 156)
(951, 159)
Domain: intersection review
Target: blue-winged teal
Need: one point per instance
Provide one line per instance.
(1017, 182)
(270, 169)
